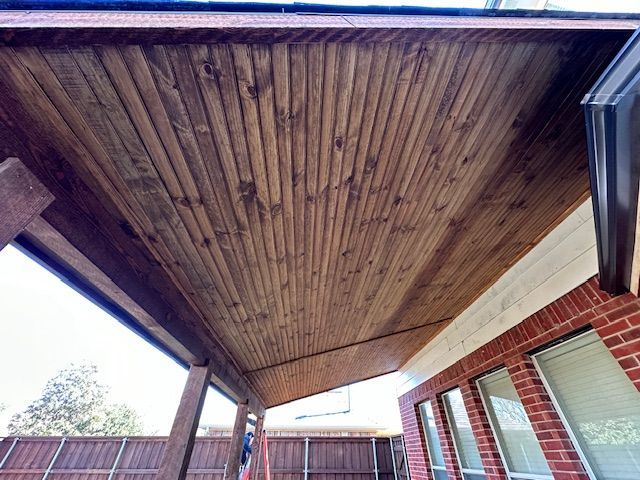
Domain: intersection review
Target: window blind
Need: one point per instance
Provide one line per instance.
(433, 440)
(515, 436)
(467, 449)
(599, 403)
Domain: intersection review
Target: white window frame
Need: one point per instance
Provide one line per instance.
(511, 475)
(565, 422)
(470, 471)
(426, 438)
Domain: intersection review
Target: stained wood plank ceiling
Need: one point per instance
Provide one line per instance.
(325, 207)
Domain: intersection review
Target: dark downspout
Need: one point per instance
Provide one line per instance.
(612, 117)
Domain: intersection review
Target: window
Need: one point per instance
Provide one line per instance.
(465, 442)
(519, 446)
(599, 405)
(433, 442)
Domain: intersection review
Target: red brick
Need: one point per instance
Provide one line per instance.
(614, 328)
(600, 322)
(626, 350)
(613, 341)
(628, 363)
(612, 305)
(623, 312)
(634, 373)
(582, 302)
(631, 335)
(634, 320)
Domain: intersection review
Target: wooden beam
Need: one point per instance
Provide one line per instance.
(41, 235)
(237, 437)
(85, 28)
(177, 451)
(256, 457)
(22, 198)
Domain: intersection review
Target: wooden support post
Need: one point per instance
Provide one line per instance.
(256, 451)
(177, 451)
(22, 198)
(235, 449)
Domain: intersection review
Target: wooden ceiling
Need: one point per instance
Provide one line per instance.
(323, 207)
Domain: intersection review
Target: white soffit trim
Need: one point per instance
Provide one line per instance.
(562, 261)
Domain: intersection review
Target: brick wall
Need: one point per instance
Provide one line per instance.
(615, 319)
(414, 441)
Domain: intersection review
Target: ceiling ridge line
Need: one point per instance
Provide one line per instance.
(361, 342)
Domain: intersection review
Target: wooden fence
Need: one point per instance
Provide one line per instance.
(137, 458)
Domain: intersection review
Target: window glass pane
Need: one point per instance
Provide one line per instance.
(600, 403)
(517, 441)
(433, 441)
(440, 475)
(473, 476)
(461, 428)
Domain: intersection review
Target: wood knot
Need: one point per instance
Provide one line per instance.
(519, 205)
(518, 121)
(287, 117)
(249, 90)
(370, 165)
(310, 199)
(439, 208)
(208, 69)
(128, 229)
(339, 142)
(247, 191)
(295, 178)
(276, 209)
(187, 202)
(183, 202)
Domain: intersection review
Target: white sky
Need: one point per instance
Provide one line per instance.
(45, 326)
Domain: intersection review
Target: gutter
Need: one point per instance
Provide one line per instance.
(612, 115)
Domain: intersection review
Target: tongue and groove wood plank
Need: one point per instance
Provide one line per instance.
(325, 208)
(139, 287)
(531, 171)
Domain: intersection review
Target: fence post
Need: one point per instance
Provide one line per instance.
(393, 459)
(375, 457)
(53, 460)
(117, 460)
(306, 458)
(6, 455)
